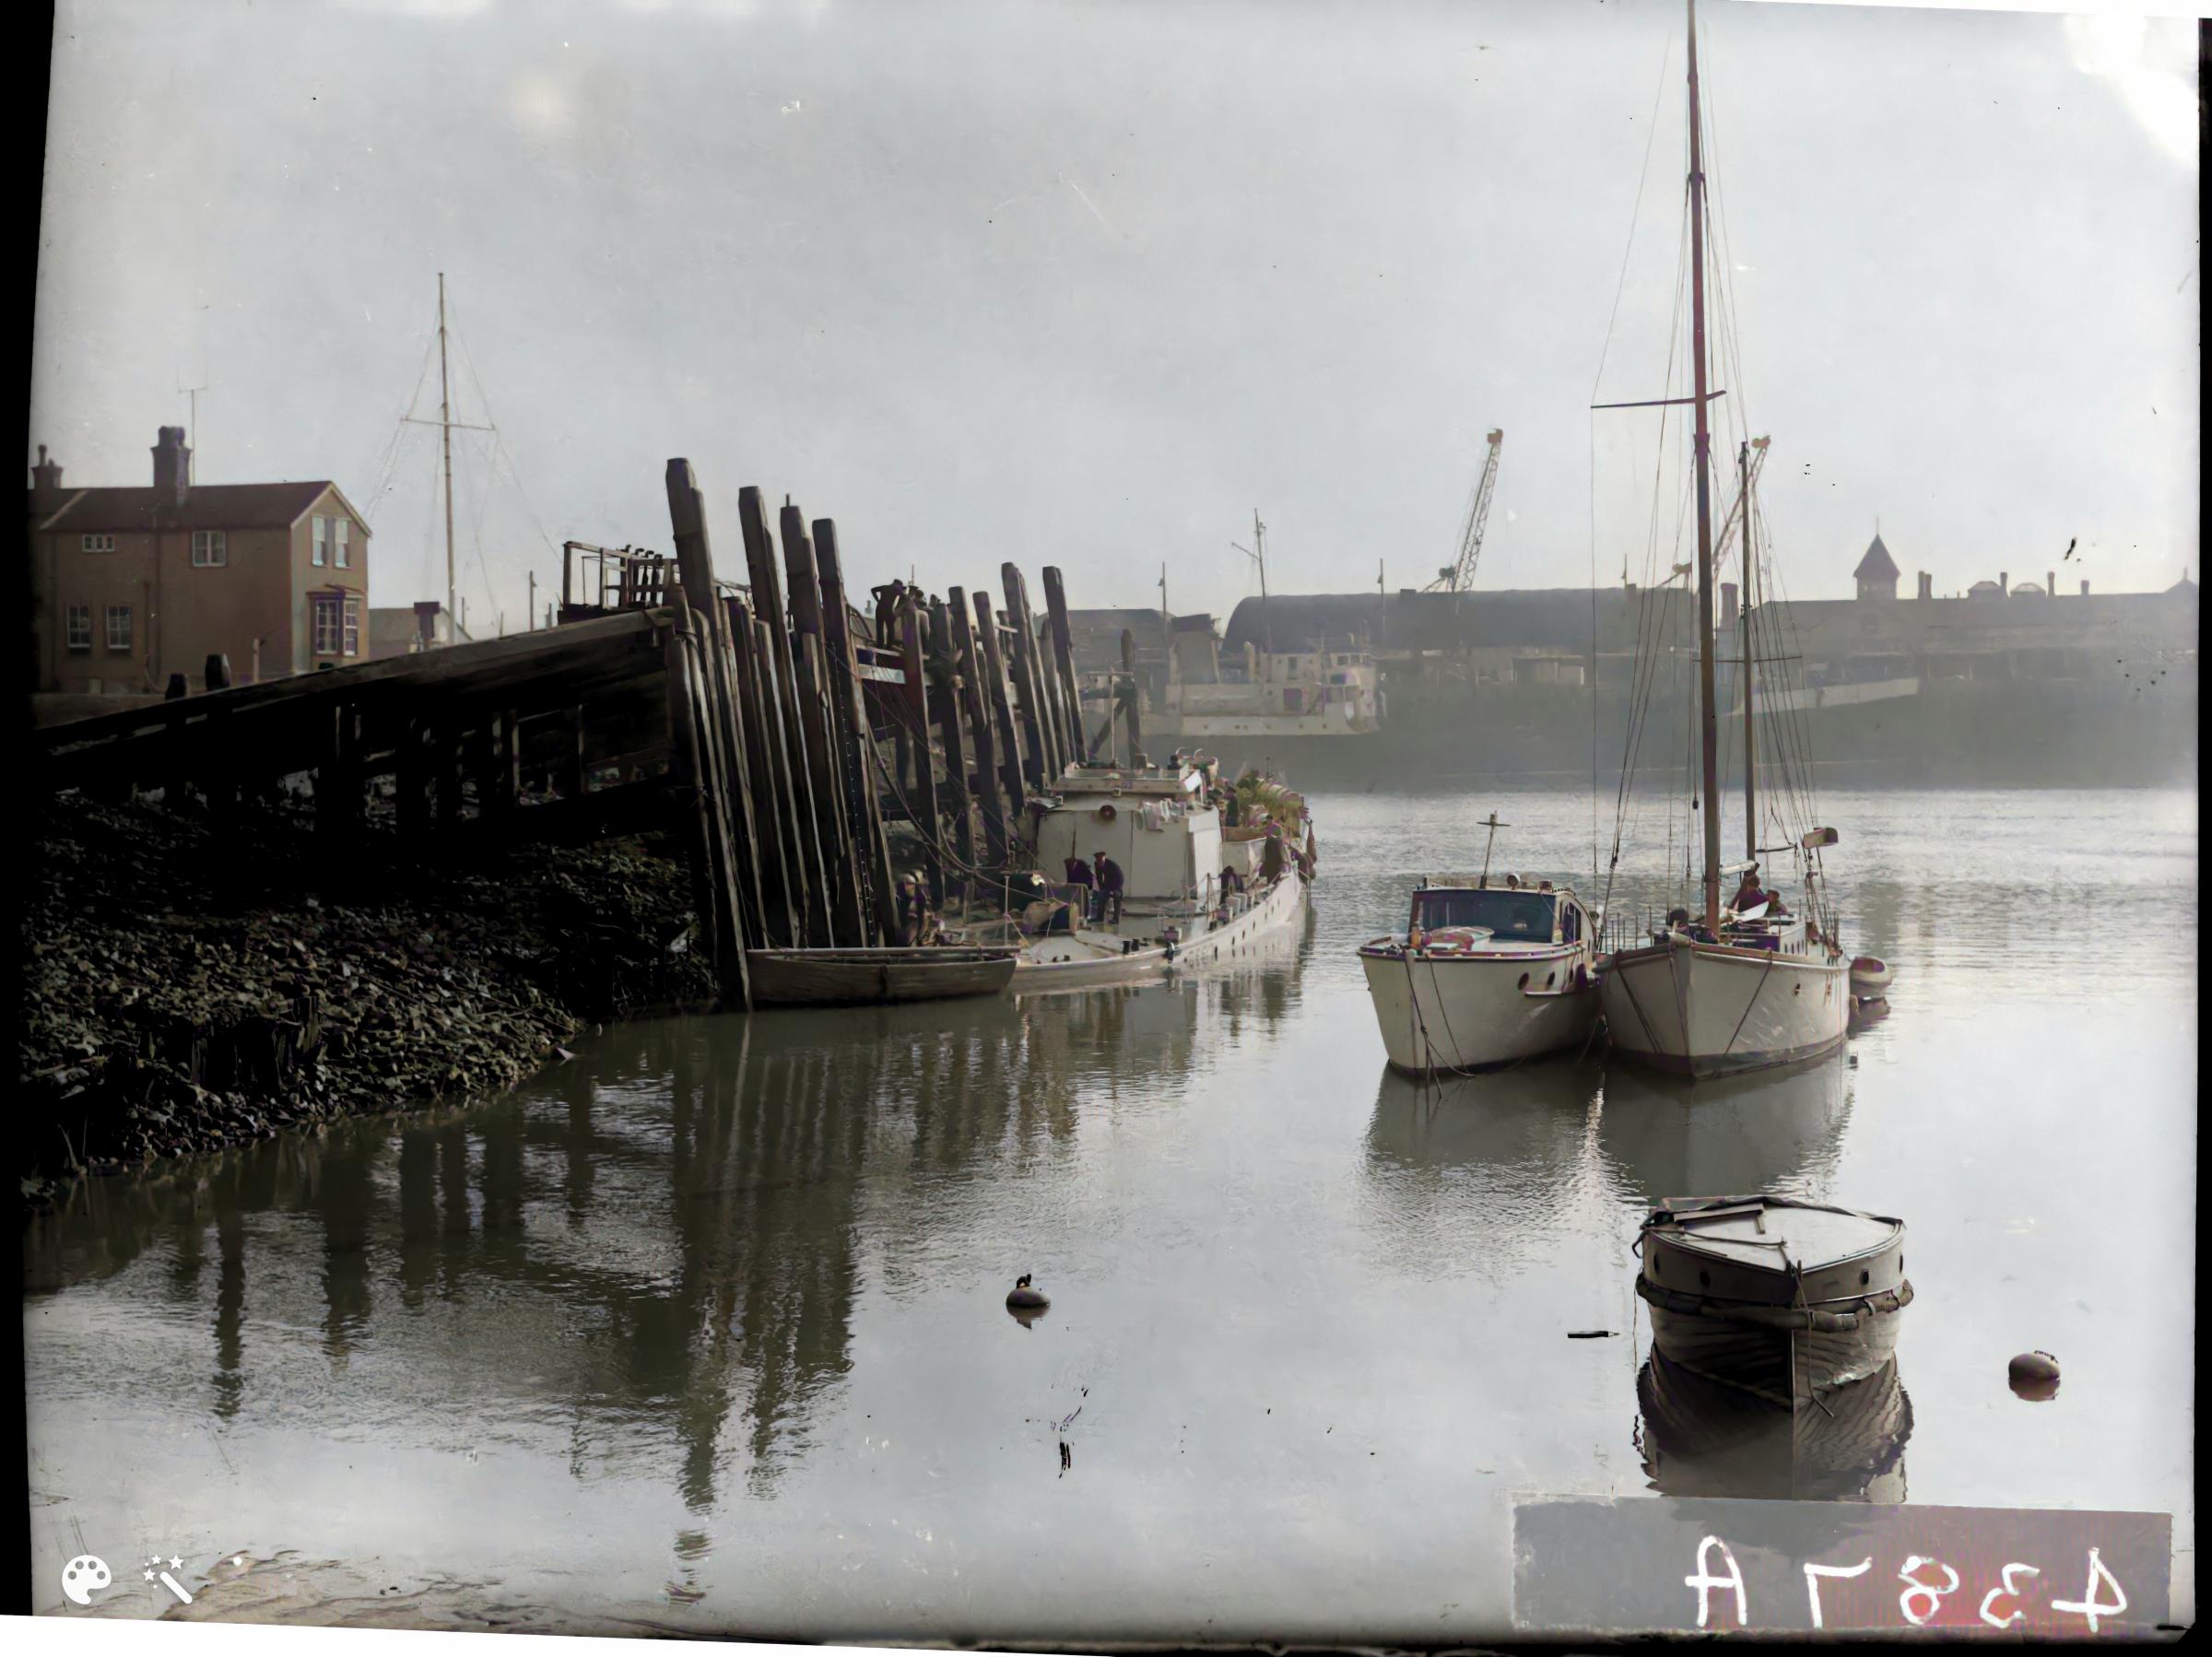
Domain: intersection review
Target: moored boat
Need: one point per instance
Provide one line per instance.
(1705, 1437)
(820, 978)
(1773, 1296)
(1871, 977)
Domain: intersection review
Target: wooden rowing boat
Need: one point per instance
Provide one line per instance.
(826, 978)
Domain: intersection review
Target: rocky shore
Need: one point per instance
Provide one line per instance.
(192, 982)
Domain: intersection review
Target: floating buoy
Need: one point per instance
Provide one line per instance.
(1022, 1298)
(2034, 1375)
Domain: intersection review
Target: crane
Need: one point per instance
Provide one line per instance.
(1459, 577)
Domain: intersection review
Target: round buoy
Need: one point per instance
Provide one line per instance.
(1022, 1298)
(2034, 1375)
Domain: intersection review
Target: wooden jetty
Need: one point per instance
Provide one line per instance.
(782, 733)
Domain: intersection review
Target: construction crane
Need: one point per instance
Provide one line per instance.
(1459, 577)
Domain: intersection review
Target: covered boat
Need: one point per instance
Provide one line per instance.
(1704, 1438)
(1776, 1296)
(823, 978)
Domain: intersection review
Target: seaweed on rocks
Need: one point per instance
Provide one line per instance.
(191, 982)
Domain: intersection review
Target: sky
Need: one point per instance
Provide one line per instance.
(1088, 283)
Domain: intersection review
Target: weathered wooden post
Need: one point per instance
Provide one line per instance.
(848, 909)
(1002, 718)
(727, 775)
(816, 856)
(872, 850)
(569, 774)
(411, 772)
(1036, 721)
(782, 919)
(795, 817)
(1064, 655)
(338, 778)
(916, 701)
(975, 672)
(945, 701)
(690, 757)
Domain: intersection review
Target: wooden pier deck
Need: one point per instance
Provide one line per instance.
(780, 739)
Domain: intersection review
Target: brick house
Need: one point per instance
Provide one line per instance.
(130, 585)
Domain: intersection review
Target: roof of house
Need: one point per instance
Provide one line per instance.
(1877, 565)
(205, 506)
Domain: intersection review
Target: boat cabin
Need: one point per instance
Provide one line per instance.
(1151, 822)
(1540, 915)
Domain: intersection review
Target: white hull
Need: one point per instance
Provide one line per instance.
(1703, 1009)
(1092, 957)
(1469, 1012)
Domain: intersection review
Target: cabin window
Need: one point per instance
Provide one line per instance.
(1570, 925)
(1526, 916)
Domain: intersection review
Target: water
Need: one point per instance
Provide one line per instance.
(705, 1330)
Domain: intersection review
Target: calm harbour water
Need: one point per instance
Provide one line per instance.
(704, 1330)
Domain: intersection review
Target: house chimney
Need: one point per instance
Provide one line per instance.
(2084, 589)
(1927, 584)
(2004, 583)
(1728, 613)
(425, 620)
(172, 467)
(2050, 583)
(45, 483)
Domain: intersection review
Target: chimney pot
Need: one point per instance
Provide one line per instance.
(1927, 585)
(2084, 589)
(172, 466)
(2050, 583)
(2004, 583)
(45, 483)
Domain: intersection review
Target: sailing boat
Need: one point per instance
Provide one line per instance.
(1753, 986)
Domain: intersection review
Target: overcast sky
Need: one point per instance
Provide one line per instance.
(1087, 284)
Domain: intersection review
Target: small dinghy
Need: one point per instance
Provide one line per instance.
(1702, 1437)
(1779, 1297)
(832, 978)
(1870, 977)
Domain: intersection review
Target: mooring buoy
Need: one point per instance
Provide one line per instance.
(1022, 1298)
(2033, 1375)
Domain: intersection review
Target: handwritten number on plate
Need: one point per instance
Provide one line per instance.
(1813, 1573)
(1917, 1589)
(2010, 1591)
(2088, 1604)
(1704, 1584)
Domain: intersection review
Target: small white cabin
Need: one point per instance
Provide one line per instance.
(1169, 845)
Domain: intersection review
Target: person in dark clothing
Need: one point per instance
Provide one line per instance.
(1079, 872)
(1109, 876)
(1230, 880)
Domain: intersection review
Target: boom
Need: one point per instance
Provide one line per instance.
(1459, 577)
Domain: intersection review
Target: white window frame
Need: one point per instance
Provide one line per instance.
(76, 625)
(349, 622)
(99, 543)
(319, 536)
(211, 549)
(341, 549)
(322, 607)
(119, 613)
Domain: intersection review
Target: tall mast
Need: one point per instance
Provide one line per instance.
(1742, 628)
(1707, 722)
(445, 432)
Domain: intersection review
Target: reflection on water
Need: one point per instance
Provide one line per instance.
(1703, 1437)
(1777, 1131)
(705, 1331)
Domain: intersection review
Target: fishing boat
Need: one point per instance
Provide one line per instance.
(1176, 908)
(830, 978)
(1484, 975)
(1778, 1297)
(1751, 984)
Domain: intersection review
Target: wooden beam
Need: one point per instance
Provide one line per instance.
(848, 908)
(1063, 654)
(987, 787)
(872, 850)
(817, 856)
(924, 804)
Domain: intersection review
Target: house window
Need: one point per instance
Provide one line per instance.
(329, 621)
(338, 528)
(79, 623)
(100, 542)
(353, 612)
(322, 538)
(211, 549)
(119, 627)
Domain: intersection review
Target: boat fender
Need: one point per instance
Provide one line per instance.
(1106, 813)
(1022, 1298)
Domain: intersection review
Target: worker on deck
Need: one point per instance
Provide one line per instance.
(1750, 894)
(1079, 873)
(1109, 875)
